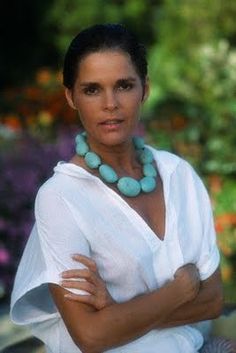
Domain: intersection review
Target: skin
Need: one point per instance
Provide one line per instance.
(99, 297)
(108, 88)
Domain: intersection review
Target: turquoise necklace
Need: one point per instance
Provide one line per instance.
(126, 185)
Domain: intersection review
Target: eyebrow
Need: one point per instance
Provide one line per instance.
(122, 79)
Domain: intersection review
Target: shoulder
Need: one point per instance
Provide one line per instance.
(66, 179)
(178, 170)
(171, 162)
(69, 189)
(52, 195)
(49, 192)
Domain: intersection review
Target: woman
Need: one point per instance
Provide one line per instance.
(140, 220)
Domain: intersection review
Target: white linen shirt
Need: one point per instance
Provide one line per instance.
(77, 213)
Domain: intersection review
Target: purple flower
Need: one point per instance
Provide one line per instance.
(4, 256)
(24, 166)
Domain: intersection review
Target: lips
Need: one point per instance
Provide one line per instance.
(111, 122)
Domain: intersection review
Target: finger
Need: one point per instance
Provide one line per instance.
(87, 274)
(87, 299)
(82, 273)
(85, 260)
(83, 285)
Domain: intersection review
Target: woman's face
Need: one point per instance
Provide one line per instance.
(108, 94)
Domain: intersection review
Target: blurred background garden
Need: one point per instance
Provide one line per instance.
(191, 110)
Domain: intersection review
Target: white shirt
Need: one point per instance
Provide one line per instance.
(77, 213)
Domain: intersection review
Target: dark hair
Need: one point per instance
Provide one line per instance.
(102, 37)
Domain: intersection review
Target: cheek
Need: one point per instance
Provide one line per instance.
(135, 105)
(85, 107)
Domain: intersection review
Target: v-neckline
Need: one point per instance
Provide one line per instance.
(136, 217)
(153, 236)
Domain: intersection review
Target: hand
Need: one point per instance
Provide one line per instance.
(188, 279)
(92, 283)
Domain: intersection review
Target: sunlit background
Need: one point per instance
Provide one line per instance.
(191, 110)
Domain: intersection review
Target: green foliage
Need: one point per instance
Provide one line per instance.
(226, 199)
(194, 63)
(71, 16)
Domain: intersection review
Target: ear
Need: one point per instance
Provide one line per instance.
(69, 98)
(146, 90)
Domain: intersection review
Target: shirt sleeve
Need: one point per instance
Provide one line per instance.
(59, 234)
(54, 238)
(209, 256)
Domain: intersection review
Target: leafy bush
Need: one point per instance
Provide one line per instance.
(193, 70)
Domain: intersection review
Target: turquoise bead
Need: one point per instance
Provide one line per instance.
(148, 184)
(107, 173)
(129, 186)
(138, 142)
(82, 148)
(146, 156)
(79, 138)
(92, 160)
(149, 170)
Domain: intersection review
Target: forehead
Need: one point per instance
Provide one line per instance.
(108, 64)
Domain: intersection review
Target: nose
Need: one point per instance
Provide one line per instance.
(110, 101)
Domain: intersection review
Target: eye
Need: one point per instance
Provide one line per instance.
(124, 86)
(90, 90)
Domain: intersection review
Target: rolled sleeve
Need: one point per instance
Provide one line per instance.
(54, 238)
(209, 257)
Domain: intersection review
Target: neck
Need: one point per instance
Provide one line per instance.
(121, 157)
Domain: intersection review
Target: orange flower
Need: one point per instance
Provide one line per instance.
(218, 227)
(225, 220)
(215, 183)
(12, 122)
(43, 76)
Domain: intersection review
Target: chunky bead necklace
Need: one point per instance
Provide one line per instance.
(126, 185)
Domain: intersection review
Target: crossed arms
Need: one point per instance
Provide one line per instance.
(96, 322)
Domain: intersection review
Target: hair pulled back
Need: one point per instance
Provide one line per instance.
(102, 37)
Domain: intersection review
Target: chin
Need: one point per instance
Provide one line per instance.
(116, 139)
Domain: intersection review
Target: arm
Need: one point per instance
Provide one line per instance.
(121, 322)
(206, 305)
(209, 301)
